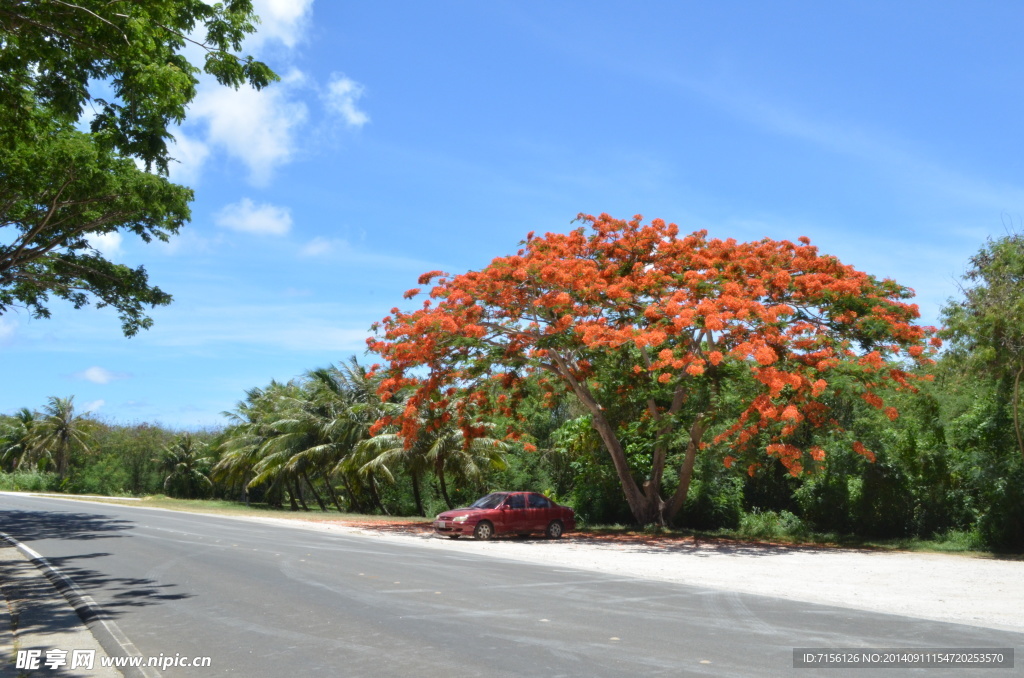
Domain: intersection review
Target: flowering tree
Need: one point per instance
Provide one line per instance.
(675, 314)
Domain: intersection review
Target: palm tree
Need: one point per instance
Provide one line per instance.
(244, 443)
(448, 453)
(315, 431)
(303, 435)
(442, 449)
(240, 442)
(187, 468)
(387, 451)
(16, 439)
(348, 396)
(59, 432)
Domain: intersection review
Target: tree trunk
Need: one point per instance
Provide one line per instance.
(686, 470)
(665, 424)
(316, 495)
(330, 491)
(297, 494)
(645, 506)
(444, 488)
(275, 496)
(376, 497)
(416, 493)
(1016, 410)
(355, 503)
(62, 460)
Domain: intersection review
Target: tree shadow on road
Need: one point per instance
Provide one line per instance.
(26, 526)
(37, 604)
(28, 588)
(126, 591)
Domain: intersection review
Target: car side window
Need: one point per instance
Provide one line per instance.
(539, 501)
(516, 501)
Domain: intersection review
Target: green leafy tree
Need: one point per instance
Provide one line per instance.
(344, 401)
(240, 443)
(55, 53)
(304, 432)
(986, 327)
(59, 190)
(125, 458)
(60, 187)
(298, 448)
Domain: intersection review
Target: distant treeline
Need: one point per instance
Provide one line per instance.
(949, 465)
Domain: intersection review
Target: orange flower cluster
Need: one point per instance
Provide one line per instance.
(680, 305)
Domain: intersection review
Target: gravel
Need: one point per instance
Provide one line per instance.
(980, 591)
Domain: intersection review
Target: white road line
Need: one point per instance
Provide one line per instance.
(83, 603)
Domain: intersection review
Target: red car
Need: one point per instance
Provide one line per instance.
(507, 513)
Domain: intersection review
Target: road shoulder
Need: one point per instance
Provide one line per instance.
(35, 616)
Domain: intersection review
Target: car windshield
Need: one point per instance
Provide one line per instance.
(492, 500)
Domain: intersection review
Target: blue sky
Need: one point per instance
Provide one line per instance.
(412, 136)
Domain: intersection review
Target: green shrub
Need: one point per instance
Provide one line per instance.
(771, 525)
(105, 476)
(1001, 525)
(29, 481)
(715, 498)
(884, 506)
(824, 502)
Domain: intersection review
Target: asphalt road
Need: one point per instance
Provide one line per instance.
(263, 600)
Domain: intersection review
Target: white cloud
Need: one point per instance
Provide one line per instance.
(7, 330)
(189, 153)
(256, 127)
(282, 20)
(341, 97)
(93, 406)
(108, 244)
(99, 375)
(189, 241)
(248, 217)
(322, 246)
(261, 128)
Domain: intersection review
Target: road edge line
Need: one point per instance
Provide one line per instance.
(88, 610)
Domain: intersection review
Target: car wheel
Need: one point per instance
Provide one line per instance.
(555, 529)
(484, 530)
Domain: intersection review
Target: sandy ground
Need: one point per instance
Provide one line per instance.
(987, 592)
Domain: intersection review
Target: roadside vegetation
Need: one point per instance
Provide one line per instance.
(934, 459)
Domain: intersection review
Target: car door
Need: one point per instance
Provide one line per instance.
(514, 514)
(538, 508)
